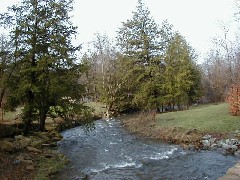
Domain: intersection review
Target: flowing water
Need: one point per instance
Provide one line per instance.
(109, 152)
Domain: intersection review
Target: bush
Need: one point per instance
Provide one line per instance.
(234, 100)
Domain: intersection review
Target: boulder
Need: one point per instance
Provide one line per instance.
(46, 145)
(206, 143)
(206, 137)
(234, 147)
(224, 152)
(233, 142)
(42, 135)
(55, 134)
(25, 142)
(6, 146)
(185, 146)
(220, 144)
(50, 151)
(53, 144)
(227, 141)
(33, 149)
(229, 177)
(237, 133)
(37, 143)
(235, 170)
(213, 146)
(191, 147)
(237, 153)
(226, 146)
(232, 173)
(17, 145)
(30, 167)
(16, 162)
(18, 137)
(212, 140)
(57, 139)
(27, 161)
(25, 158)
(22, 141)
(230, 148)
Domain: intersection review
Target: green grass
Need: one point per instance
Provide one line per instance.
(12, 114)
(99, 108)
(214, 118)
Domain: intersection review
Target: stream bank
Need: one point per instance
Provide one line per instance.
(224, 143)
(35, 156)
(144, 125)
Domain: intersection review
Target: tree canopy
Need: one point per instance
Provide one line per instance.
(47, 71)
(151, 65)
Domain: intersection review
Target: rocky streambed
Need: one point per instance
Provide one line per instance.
(227, 146)
(35, 156)
(29, 157)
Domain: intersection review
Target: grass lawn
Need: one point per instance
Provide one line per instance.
(213, 118)
(99, 108)
(9, 116)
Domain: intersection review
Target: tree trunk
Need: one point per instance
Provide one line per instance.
(27, 119)
(1, 96)
(179, 107)
(43, 115)
(26, 127)
(30, 94)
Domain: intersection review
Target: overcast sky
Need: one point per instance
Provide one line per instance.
(197, 20)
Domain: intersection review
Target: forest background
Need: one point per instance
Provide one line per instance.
(148, 66)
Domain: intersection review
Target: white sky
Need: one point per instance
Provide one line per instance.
(197, 20)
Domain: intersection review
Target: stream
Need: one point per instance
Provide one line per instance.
(110, 152)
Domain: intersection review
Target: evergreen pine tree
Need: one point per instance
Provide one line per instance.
(47, 70)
